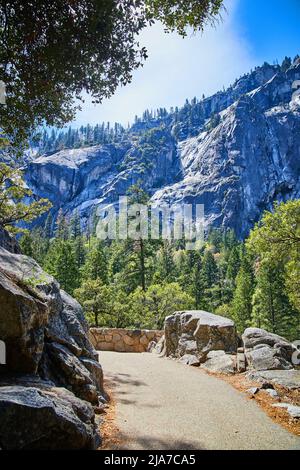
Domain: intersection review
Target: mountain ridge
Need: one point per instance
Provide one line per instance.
(235, 152)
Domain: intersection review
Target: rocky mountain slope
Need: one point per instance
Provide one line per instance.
(235, 152)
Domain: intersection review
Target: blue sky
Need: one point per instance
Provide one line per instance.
(251, 32)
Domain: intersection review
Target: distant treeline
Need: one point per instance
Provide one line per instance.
(184, 122)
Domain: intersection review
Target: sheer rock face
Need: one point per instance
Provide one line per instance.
(46, 338)
(236, 169)
(197, 333)
(251, 159)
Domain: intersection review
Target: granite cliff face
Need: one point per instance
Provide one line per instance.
(239, 153)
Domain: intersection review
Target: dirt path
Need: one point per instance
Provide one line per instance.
(161, 404)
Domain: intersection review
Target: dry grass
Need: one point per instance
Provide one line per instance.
(110, 433)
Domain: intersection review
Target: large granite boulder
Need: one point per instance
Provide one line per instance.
(220, 362)
(23, 317)
(267, 351)
(46, 337)
(31, 418)
(197, 332)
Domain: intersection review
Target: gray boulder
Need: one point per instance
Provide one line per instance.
(23, 317)
(70, 328)
(44, 328)
(219, 361)
(266, 358)
(38, 419)
(69, 371)
(271, 392)
(241, 362)
(160, 346)
(252, 391)
(197, 333)
(267, 351)
(190, 360)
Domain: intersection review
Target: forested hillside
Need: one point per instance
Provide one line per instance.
(137, 283)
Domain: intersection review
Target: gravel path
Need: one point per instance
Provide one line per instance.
(162, 404)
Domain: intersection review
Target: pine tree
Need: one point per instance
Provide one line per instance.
(209, 269)
(197, 281)
(96, 300)
(286, 64)
(95, 266)
(48, 226)
(61, 263)
(75, 226)
(165, 265)
(233, 265)
(242, 300)
(209, 274)
(271, 307)
(79, 251)
(26, 244)
(62, 230)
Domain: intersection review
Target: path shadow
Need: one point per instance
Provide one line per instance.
(125, 401)
(116, 379)
(153, 443)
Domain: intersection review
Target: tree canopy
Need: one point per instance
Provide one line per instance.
(13, 205)
(277, 238)
(51, 52)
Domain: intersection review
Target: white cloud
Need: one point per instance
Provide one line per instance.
(177, 69)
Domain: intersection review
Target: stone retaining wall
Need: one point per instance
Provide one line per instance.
(123, 340)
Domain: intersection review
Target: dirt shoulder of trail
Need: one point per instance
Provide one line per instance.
(109, 430)
(241, 383)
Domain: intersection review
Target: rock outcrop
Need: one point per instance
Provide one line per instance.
(51, 370)
(236, 165)
(196, 333)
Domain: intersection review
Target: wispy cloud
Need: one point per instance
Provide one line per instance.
(177, 69)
